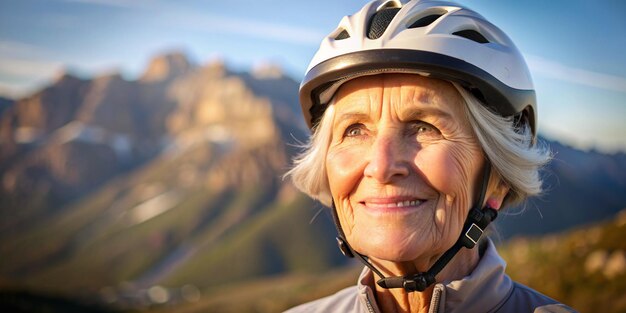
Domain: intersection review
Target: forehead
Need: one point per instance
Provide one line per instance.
(401, 91)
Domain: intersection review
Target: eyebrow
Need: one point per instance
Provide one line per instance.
(351, 116)
(412, 114)
(408, 114)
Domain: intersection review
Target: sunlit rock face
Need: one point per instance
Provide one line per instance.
(77, 134)
(167, 66)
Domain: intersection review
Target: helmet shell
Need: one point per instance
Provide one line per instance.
(437, 39)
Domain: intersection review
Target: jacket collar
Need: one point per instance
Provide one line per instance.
(483, 290)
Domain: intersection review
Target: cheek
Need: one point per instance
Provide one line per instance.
(451, 169)
(344, 168)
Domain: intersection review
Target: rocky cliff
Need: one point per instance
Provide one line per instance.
(62, 142)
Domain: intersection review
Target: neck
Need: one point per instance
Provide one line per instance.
(398, 300)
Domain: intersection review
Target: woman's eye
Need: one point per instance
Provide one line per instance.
(354, 130)
(425, 130)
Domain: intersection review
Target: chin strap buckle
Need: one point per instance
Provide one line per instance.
(474, 227)
(418, 282)
(473, 234)
(344, 248)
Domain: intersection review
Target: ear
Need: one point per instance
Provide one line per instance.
(497, 193)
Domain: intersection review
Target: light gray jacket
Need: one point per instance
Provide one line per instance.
(486, 289)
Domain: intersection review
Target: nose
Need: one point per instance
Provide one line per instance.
(386, 160)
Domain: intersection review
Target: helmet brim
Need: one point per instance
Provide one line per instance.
(322, 81)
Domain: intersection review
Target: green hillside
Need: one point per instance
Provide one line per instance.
(585, 268)
(280, 240)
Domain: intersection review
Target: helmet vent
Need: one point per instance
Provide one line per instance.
(426, 20)
(471, 35)
(342, 35)
(380, 21)
(389, 4)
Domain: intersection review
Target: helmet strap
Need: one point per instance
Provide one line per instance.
(475, 224)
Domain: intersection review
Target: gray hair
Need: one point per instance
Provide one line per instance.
(514, 158)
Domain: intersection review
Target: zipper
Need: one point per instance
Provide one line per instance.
(434, 301)
(368, 304)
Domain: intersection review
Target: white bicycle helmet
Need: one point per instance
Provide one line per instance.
(432, 38)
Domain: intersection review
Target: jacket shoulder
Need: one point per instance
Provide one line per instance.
(525, 299)
(344, 300)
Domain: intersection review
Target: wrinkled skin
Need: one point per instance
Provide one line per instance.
(403, 167)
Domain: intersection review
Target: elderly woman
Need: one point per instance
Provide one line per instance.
(423, 119)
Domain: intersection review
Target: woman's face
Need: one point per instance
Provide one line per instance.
(402, 165)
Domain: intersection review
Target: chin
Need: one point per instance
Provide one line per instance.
(396, 246)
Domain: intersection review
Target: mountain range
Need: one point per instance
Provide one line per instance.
(114, 187)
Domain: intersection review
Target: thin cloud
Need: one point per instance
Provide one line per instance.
(18, 49)
(189, 19)
(23, 60)
(238, 26)
(23, 67)
(20, 89)
(19, 78)
(575, 75)
(113, 3)
(28, 69)
(206, 22)
(262, 30)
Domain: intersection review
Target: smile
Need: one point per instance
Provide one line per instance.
(399, 204)
(387, 204)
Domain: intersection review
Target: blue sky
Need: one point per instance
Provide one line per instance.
(576, 50)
